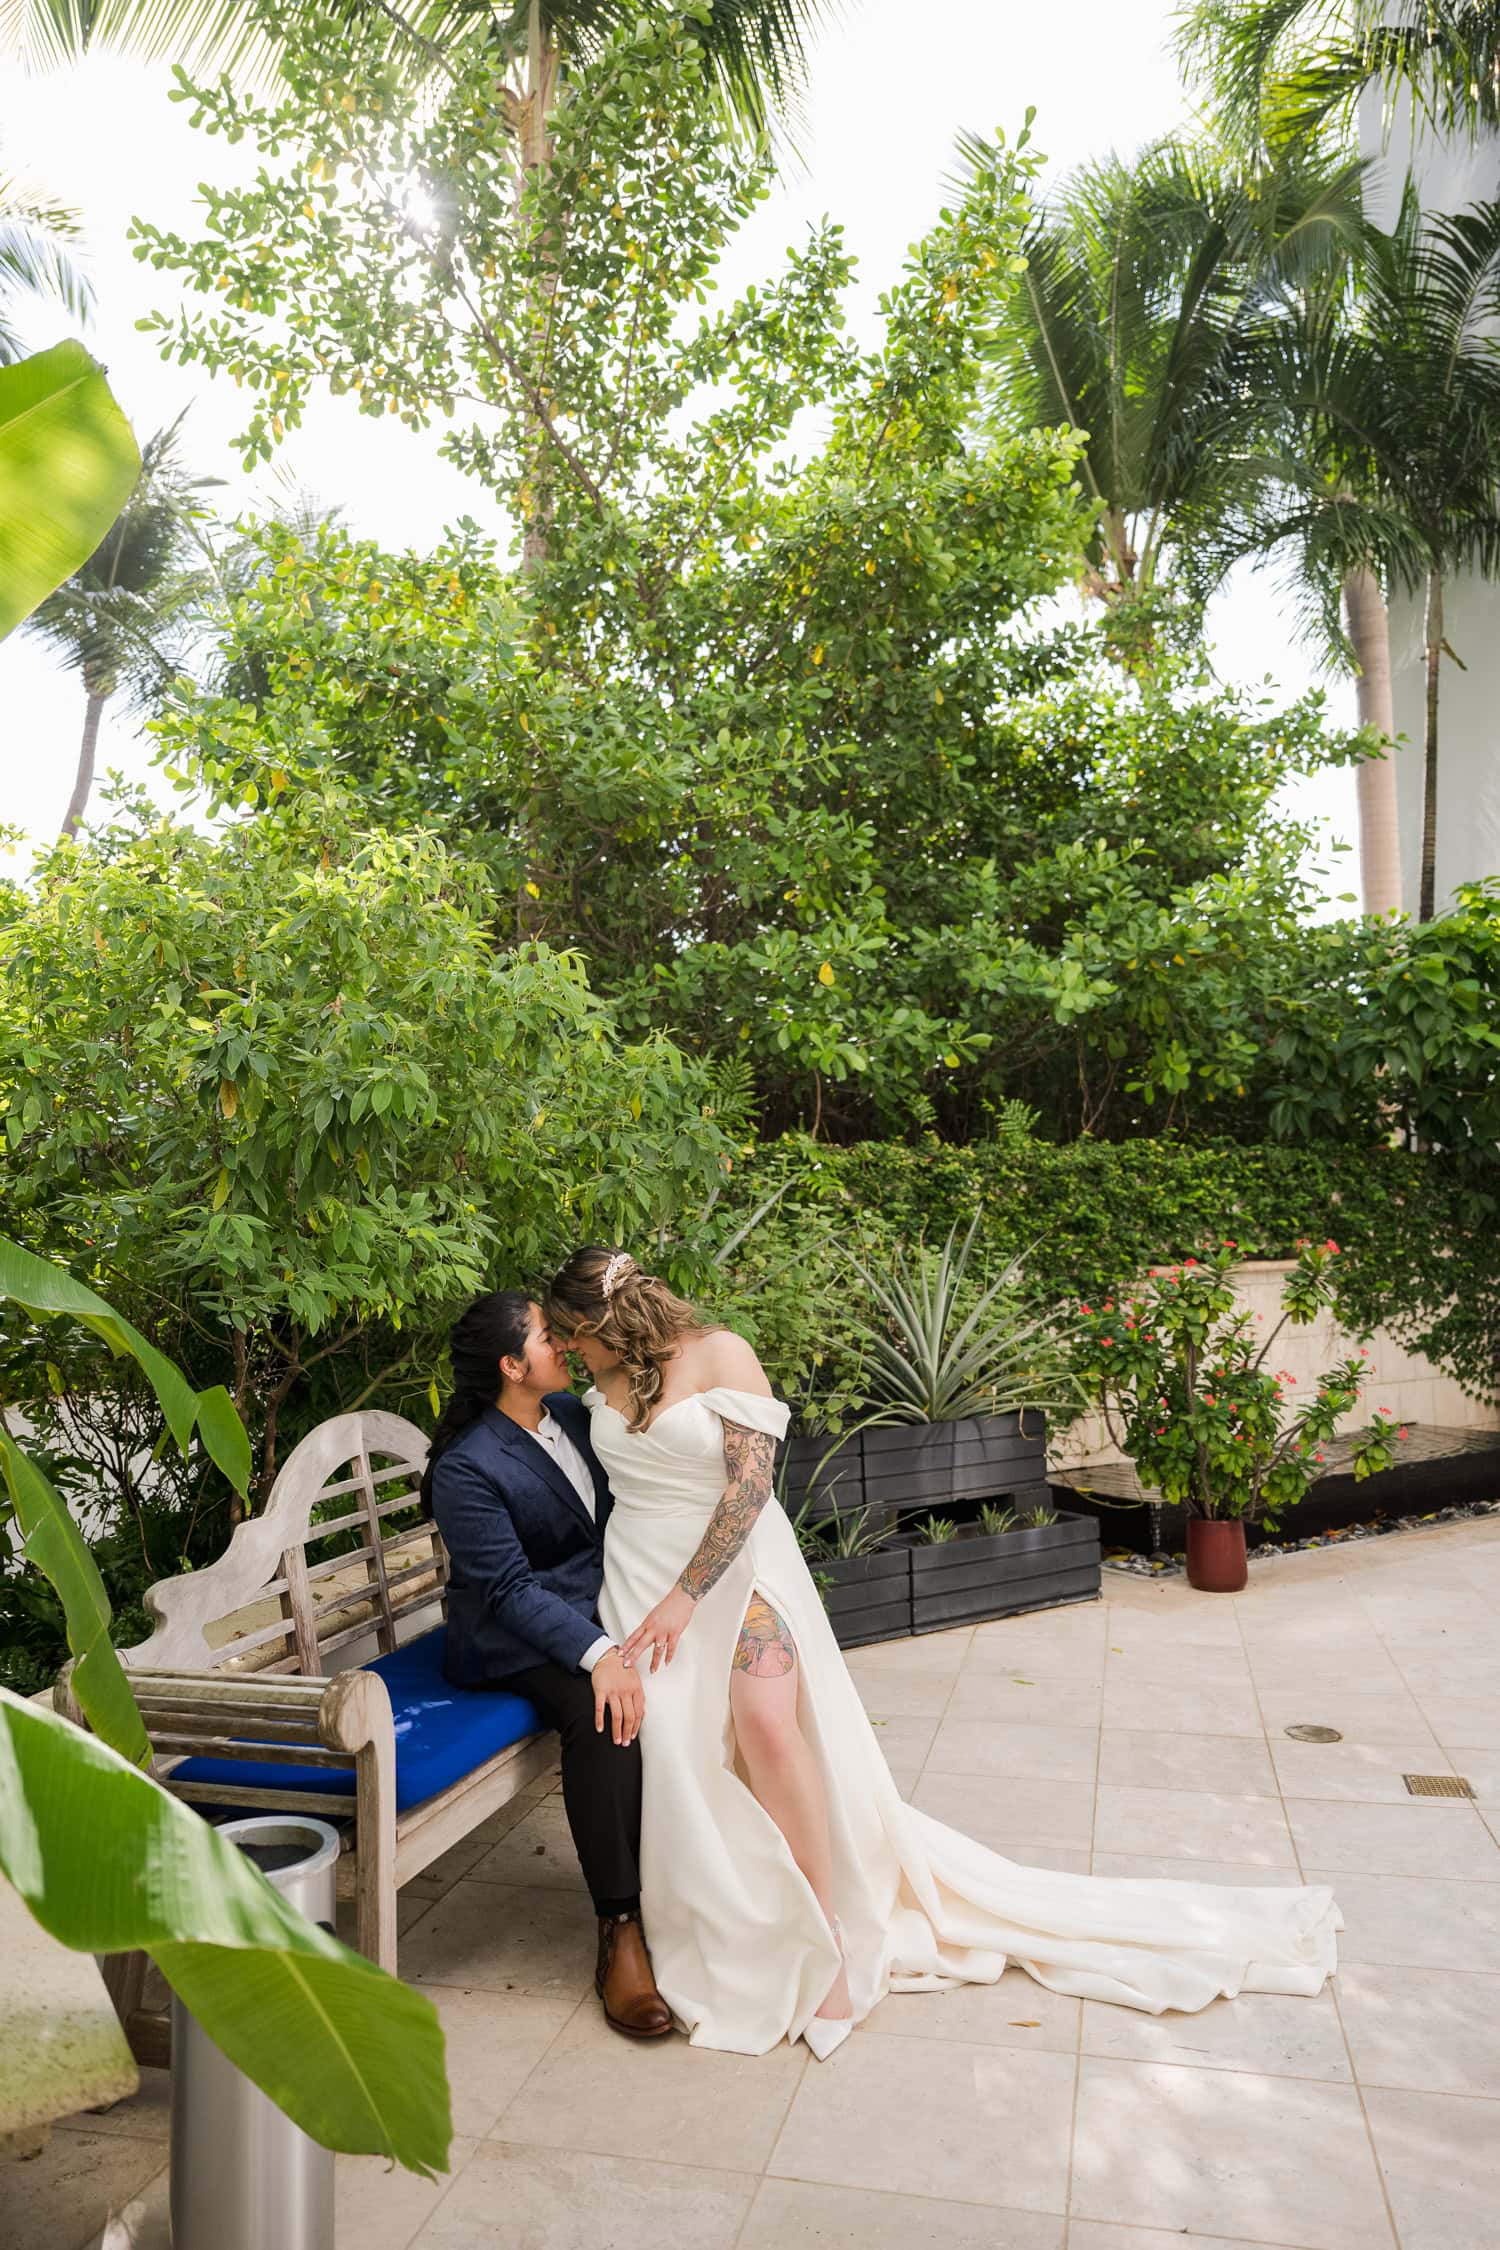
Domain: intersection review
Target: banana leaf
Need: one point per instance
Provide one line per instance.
(68, 464)
(107, 1861)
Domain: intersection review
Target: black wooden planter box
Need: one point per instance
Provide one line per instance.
(893, 1475)
(867, 1597)
(961, 1581)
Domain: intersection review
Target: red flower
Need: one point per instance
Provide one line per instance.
(1331, 1247)
(1230, 1245)
(1402, 1431)
(1082, 1307)
(1208, 1400)
(1382, 1410)
(1106, 1339)
(1109, 1304)
(1190, 1261)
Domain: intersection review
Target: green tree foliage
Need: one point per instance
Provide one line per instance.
(774, 738)
(280, 1096)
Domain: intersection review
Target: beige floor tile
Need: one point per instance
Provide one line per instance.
(503, 1939)
(62, 2198)
(1016, 2012)
(995, 1747)
(1240, 1873)
(1428, 2030)
(1193, 1824)
(904, 1742)
(687, 2105)
(1463, 1722)
(1440, 2155)
(905, 1695)
(968, 2123)
(539, 1850)
(1419, 1837)
(544, 2199)
(1354, 1772)
(380, 2207)
(798, 2215)
(144, 2117)
(1021, 1698)
(1230, 1765)
(1205, 1664)
(1088, 2234)
(144, 2223)
(1205, 1626)
(1269, 2032)
(1378, 1715)
(1161, 1706)
(1226, 2152)
(495, 2040)
(1416, 1922)
(996, 1812)
(921, 1652)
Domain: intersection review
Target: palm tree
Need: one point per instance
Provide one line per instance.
(1373, 420)
(37, 237)
(117, 618)
(1431, 293)
(1302, 487)
(1140, 277)
(1290, 70)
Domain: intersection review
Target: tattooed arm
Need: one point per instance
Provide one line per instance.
(749, 1456)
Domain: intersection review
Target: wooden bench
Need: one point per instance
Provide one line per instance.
(302, 1672)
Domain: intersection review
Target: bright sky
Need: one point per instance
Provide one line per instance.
(884, 111)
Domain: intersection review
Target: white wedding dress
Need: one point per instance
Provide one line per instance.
(742, 1952)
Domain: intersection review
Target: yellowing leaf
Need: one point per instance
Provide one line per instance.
(635, 1105)
(278, 778)
(870, 569)
(825, 974)
(221, 1190)
(532, 891)
(229, 1096)
(432, 1397)
(818, 653)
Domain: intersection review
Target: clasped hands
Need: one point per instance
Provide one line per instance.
(617, 1685)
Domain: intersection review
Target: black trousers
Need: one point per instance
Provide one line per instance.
(601, 1782)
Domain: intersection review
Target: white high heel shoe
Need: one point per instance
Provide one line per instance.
(824, 2033)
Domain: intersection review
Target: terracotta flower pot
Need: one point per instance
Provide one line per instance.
(1216, 1554)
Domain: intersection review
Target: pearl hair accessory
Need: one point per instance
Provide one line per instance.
(615, 1272)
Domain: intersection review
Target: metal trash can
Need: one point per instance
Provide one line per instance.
(244, 2177)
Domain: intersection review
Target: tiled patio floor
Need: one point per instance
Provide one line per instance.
(1141, 1735)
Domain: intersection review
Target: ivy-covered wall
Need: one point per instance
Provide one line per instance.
(1091, 1215)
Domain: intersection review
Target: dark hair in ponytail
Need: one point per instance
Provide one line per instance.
(493, 1328)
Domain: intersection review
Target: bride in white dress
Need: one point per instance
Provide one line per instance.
(786, 1886)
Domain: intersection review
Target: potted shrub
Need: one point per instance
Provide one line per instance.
(1007, 1561)
(957, 1375)
(1202, 1410)
(864, 1577)
(956, 1378)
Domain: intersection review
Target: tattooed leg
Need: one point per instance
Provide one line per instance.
(766, 1648)
(778, 1759)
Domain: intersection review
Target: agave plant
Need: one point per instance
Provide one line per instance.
(993, 1520)
(930, 1360)
(936, 1531)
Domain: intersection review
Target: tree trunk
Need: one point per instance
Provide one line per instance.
(1368, 622)
(84, 779)
(535, 153)
(1427, 903)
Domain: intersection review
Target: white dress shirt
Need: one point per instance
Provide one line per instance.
(565, 1453)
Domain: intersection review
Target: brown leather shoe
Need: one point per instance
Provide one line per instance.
(624, 1982)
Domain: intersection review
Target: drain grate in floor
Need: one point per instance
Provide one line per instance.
(1437, 1785)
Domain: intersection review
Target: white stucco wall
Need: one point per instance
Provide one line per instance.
(1413, 1389)
(1468, 834)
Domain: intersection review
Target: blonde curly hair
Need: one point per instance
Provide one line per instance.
(605, 1294)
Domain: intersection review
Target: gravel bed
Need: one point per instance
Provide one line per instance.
(1379, 1527)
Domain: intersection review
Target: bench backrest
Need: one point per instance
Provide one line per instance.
(319, 1571)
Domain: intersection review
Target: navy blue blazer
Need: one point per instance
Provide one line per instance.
(526, 1562)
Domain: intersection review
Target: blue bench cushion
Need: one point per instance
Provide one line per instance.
(442, 1733)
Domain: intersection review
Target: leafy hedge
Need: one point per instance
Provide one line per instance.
(1094, 1214)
